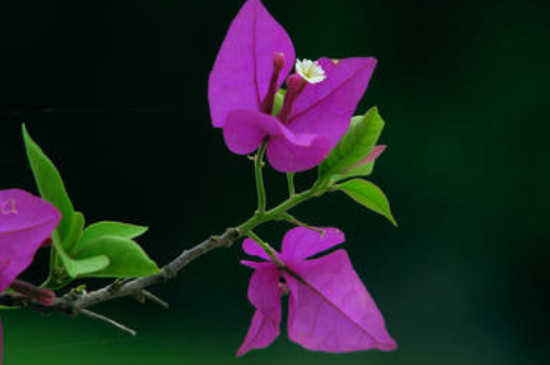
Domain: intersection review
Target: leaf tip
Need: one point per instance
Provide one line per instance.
(25, 132)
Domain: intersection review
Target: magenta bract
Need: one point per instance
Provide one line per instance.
(26, 222)
(329, 307)
(254, 60)
(371, 156)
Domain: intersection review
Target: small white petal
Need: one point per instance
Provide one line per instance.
(311, 71)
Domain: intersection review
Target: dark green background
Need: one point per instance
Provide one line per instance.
(115, 92)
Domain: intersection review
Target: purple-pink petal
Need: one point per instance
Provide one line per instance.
(330, 309)
(327, 107)
(253, 249)
(26, 222)
(244, 65)
(252, 264)
(286, 155)
(245, 131)
(263, 293)
(300, 243)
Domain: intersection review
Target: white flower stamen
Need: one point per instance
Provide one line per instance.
(311, 71)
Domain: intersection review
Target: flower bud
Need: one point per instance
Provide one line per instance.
(40, 295)
(278, 64)
(279, 61)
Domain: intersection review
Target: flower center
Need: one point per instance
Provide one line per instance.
(278, 64)
(308, 72)
(311, 71)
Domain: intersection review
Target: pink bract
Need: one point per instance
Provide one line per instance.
(26, 222)
(371, 156)
(254, 60)
(329, 307)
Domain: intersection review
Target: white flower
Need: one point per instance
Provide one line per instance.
(311, 71)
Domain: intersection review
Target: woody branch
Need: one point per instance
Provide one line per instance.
(74, 303)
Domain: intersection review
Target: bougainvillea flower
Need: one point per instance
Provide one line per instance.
(26, 222)
(252, 64)
(329, 307)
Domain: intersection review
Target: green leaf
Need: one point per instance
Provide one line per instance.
(362, 170)
(86, 267)
(356, 144)
(49, 183)
(127, 259)
(109, 228)
(369, 195)
(103, 249)
(68, 232)
(75, 234)
(81, 266)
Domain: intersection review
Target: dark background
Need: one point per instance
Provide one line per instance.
(115, 93)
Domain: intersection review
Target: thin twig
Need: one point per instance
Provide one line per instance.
(153, 298)
(101, 317)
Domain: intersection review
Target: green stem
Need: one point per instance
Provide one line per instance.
(260, 187)
(267, 248)
(291, 219)
(262, 215)
(290, 181)
(275, 213)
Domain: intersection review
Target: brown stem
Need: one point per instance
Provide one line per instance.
(74, 303)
